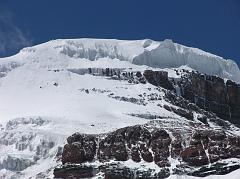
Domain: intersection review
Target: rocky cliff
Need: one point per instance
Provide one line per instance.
(182, 153)
(210, 93)
(213, 94)
(195, 148)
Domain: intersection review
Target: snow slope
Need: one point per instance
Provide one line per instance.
(165, 54)
(46, 102)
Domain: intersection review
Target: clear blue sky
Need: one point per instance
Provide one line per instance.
(212, 25)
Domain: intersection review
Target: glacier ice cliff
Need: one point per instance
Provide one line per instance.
(157, 54)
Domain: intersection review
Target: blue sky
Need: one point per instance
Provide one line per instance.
(212, 25)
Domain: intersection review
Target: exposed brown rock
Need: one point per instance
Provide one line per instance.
(80, 148)
(213, 94)
(156, 145)
(158, 78)
(195, 156)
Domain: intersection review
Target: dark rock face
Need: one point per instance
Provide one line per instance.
(140, 143)
(74, 172)
(195, 155)
(121, 145)
(112, 171)
(158, 78)
(113, 73)
(160, 143)
(126, 173)
(216, 143)
(210, 93)
(213, 94)
(82, 146)
(215, 169)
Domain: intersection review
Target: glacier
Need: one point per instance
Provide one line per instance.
(163, 54)
(42, 101)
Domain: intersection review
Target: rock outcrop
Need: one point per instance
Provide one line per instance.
(211, 93)
(200, 150)
(158, 78)
(146, 144)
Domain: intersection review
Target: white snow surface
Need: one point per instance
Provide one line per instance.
(27, 92)
(65, 53)
(164, 54)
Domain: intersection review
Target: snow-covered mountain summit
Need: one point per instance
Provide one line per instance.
(96, 86)
(164, 54)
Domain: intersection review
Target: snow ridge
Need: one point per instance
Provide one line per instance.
(164, 54)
